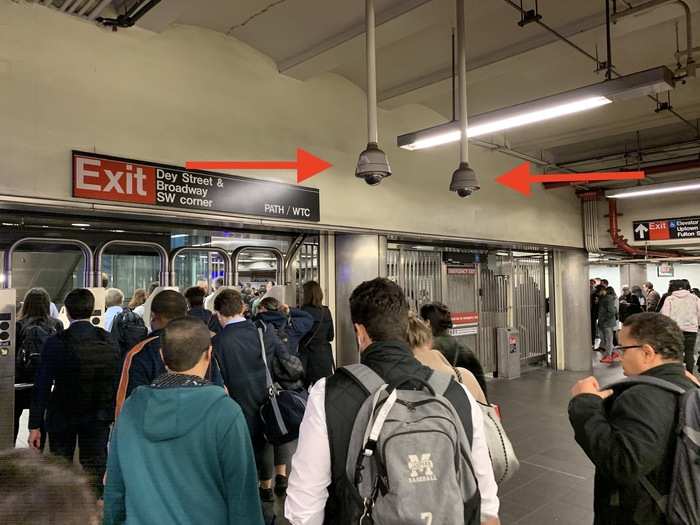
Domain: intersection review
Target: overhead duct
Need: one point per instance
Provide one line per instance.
(464, 180)
(372, 166)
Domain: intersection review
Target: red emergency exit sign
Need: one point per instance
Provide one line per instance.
(659, 231)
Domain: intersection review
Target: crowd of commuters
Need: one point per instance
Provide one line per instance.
(148, 411)
(609, 312)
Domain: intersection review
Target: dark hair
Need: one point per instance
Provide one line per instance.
(80, 303)
(610, 290)
(649, 285)
(604, 282)
(675, 285)
(219, 282)
(270, 303)
(195, 296)
(658, 331)
(438, 316)
(40, 489)
(229, 303)
(152, 287)
(37, 303)
(184, 341)
(381, 307)
(696, 291)
(600, 288)
(169, 304)
(313, 295)
(686, 284)
(634, 300)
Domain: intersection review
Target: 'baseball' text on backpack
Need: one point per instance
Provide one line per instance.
(681, 505)
(409, 457)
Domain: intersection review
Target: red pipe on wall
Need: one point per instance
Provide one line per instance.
(620, 242)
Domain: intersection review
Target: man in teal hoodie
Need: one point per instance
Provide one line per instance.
(180, 451)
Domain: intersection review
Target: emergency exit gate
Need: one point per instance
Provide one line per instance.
(509, 291)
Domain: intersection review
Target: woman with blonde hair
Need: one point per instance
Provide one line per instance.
(420, 339)
(138, 299)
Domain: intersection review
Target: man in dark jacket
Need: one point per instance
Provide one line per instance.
(182, 427)
(291, 323)
(238, 351)
(195, 301)
(144, 363)
(629, 434)
(82, 366)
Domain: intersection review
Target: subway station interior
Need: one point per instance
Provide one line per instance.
(495, 156)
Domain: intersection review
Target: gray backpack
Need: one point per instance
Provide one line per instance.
(682, 505)
(409, 457)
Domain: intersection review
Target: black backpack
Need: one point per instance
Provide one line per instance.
(96, 365)
(34, 338)
(128, 329)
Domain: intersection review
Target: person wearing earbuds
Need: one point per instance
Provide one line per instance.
(629, 432)
(180, 451)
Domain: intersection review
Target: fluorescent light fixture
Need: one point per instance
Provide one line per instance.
(80, 225)
(179, 236)
(654, 189)
(568, 103)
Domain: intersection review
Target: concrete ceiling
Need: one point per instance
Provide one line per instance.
(507, 64)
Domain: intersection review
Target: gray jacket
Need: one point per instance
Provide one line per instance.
(607, 312)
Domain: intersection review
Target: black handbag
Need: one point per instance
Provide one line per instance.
(283, 411)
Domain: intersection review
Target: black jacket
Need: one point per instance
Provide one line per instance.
(48, 323)
(237, 350)
(295, 327)
(58, 369)
(394, 362)
(199, 312)
(628, 436)
(315, 347)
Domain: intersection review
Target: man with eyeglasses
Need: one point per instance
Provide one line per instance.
(629, 433)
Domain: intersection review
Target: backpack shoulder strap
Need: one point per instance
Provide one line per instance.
(646, 380)
(363, 376)
(439, 382)
(124, 379)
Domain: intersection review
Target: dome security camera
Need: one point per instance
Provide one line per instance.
(464, 181)
(372, 166)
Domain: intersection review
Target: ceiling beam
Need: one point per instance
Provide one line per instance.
(393, 96)
(400, 20)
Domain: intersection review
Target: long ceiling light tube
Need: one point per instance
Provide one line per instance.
(654, 189)
(655, 80)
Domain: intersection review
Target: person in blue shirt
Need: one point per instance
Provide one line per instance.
(114, 298)
(180, 451)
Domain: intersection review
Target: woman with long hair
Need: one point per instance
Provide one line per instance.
(34, 326)
(438, 316)
(315, 347)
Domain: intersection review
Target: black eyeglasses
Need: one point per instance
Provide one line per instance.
(624, 348)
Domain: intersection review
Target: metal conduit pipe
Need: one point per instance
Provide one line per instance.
(164, 266)
(280, 277)
(84, 248)
(621, 243)
(589, 202)
(228, 264)
(690, 62)
(691, 258)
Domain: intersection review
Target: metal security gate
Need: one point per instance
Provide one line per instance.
(493, 312)
(306, 266)
(529, 301)
(419, 273)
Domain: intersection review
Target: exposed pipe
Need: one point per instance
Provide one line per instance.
(462, 83)
(598, 64)
(690, 258)
(608, 41)
(372, 128)
(620, 242)
(690, 63)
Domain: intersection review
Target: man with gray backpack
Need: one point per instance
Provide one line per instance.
(389, 441)
(643, 433)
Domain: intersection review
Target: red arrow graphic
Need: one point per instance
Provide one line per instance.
(521, 180)
(306, 165)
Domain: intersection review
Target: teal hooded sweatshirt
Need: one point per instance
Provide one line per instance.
(181, 455)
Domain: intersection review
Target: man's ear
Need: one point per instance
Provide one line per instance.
(649, 352)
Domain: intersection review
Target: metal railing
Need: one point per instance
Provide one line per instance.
(84, 248)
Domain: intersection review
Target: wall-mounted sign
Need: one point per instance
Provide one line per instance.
(667, 229)
(464, 330)
(461, 270)
(463, 318)
(664, 270)
(461, 258)
(117, 179)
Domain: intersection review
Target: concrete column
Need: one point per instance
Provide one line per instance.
(358, 258)
(572, 310)
(632, 274)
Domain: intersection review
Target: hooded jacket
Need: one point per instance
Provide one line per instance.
(296, 326)
(181, 454)
(683, 307)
